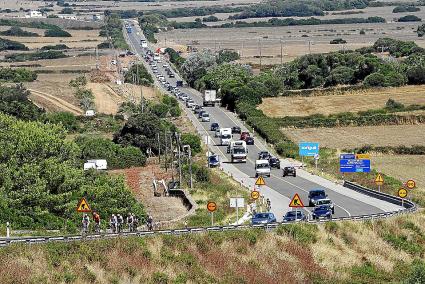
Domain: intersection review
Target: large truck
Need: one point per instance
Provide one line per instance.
(225, 136)
(210, 97)
(238, 151)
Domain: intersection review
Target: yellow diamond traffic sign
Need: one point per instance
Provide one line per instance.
(379, 180)
(296, 201)
(260, 181)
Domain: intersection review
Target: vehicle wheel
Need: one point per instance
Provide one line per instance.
(284, 175)
(256, 175)
(278, 167)
(295, 175)
(333, 210)
(310, 204)
(232, 161)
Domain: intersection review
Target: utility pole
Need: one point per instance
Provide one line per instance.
(259, 42)
(309, 46)
(187, 147)
(166, 151)
(172, 156)
(159, 148)
(180, 162)
(281, 52)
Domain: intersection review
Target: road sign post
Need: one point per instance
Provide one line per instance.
(379, 180)
(212, 206)
(402, 193)
(296, 203)
(237, 202)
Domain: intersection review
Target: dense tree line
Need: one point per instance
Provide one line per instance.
(298, 8)
(150, 23)
(33, 24)
(56, 32)
(113, 30)
(42, 179)
(301, 22)
(140, 74)
(38, 55)
(197, 11)
(14, 101)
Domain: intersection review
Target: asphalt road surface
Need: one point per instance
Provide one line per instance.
(347, 202)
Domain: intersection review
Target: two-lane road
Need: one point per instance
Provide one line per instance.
(347, 202)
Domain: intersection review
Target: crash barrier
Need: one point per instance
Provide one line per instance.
(409, 205)
(270, 226)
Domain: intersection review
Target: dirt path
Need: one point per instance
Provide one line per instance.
(105, 98)
(61, 104)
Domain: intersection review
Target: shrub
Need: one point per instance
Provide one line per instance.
(405, 8)
(55, 47)
(6, 44)
(193, 140)
(14, 101)
(17, 75)
(57, 32)
(17, 31)
(375, 80)
(338, 41)
(38, 55)
(393, 105)
(138, 70)
(210, 19)
(409, 18)
(68, 120)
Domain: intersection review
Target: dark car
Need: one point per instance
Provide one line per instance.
(179, 84)
(323, 211)
(292, 216)
(236, 130)
(201, 113)
(264, 155)
(274, 162)
(289, 171)
(197, 109)
(214, 126)
(249, 141)
(213, 161)
(171, 75)
(244, 135)
(316, 194)
(263, 218)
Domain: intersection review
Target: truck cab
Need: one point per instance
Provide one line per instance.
(225, 136)
(262, 168)
(238, 151)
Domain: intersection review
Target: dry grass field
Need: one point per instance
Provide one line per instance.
(80, 39)
(354, 137)
(352, 101)
(413, 167)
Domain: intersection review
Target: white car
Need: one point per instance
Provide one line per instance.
(325, 201)
(165, 65)
(205, 117)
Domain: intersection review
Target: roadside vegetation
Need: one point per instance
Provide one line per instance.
(300, 253)
(37, 55)
(113, 30)
(17, 75)
(17, 31)
(7, 44)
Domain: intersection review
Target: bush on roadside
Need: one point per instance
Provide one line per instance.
(6, 44)
(17, 75)
(57, 32)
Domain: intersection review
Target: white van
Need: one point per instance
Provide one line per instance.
(96, 164)
(262, 168)
(225, 136)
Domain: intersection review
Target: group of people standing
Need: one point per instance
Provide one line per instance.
(116, 223)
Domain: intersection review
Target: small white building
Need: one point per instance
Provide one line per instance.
(34, 14)
(90, 113)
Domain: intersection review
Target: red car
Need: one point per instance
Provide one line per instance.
(244, 135)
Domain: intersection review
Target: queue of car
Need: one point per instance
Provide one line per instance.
(323, 207)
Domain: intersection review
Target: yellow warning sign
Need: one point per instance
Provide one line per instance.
(362, 156)
(296, 201)
(379, 180)
(260, 181)
(83, 206)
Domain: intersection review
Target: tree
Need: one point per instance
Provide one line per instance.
(197, 64)
(193, 140)
(227, 55)
(421, 30)
(140, 74)
(67, 10)
(340, 75)
(416, 75)
(57, 32)
(375, 80)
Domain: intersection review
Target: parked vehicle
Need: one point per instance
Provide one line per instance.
(262, 168)
(322, 212)
(96, 164)
(274, 162)
(263, 218)
(200, 113)
(236, 130)
(214, 126)
(213, 161)
(225, 136)
(289, 171)
(294, 216)
(209, 97)
(179, 83)
(238, 151)
(315, 195)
